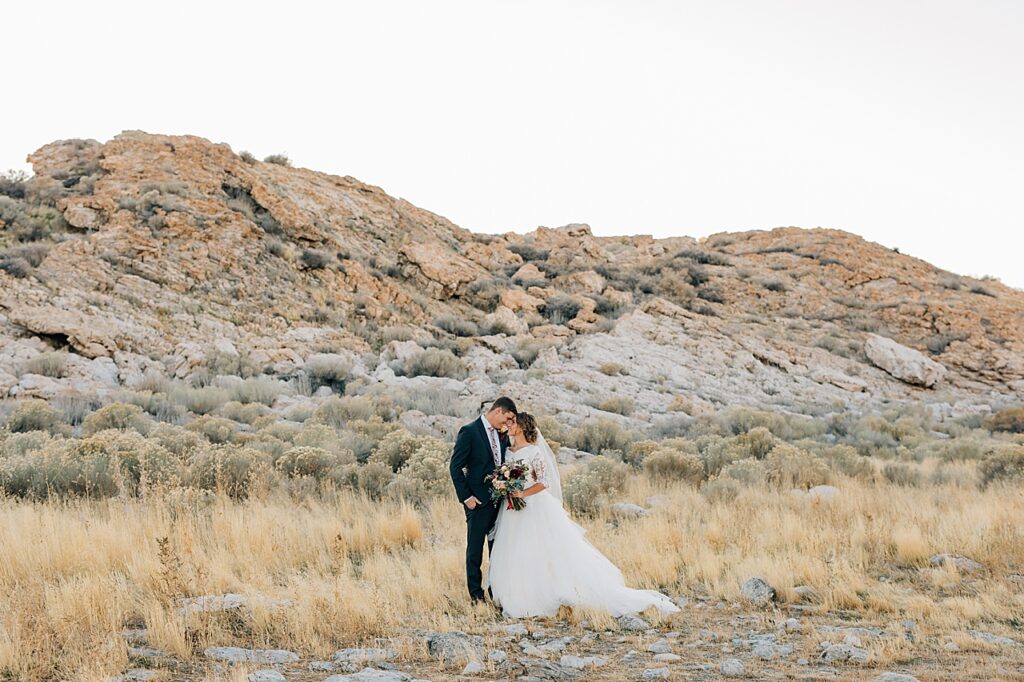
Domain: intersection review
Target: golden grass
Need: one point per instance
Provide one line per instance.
(74, 575)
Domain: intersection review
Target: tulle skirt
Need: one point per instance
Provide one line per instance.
(541, 561)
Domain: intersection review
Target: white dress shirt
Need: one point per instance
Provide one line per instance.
(492, 438)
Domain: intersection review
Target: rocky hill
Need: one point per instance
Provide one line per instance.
(153, 256)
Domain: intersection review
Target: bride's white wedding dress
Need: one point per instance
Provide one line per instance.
(541, 559)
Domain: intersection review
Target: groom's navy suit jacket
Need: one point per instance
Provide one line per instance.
(472, 461)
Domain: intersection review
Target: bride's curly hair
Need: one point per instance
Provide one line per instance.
(529, 426)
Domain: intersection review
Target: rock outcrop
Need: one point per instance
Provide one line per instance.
(159, 254)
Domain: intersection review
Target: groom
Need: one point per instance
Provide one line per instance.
(479, 449)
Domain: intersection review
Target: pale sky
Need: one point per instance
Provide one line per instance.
(898, 120)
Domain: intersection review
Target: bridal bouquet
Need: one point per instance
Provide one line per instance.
(507, 479)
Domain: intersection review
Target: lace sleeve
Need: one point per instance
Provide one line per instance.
(538, 469)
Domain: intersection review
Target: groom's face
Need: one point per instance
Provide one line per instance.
(501, 420)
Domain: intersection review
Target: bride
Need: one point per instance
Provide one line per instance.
(540, 559)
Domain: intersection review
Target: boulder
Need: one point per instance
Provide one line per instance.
(731, 667)
(455, 647)
(906, 364)
(234, 654)
(82, 217)
(962, 563)
(528, 273)
(504, 319)
(757, 591)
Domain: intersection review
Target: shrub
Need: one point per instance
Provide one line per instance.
(1010, 420)
(75, 406)
(600, 434)
(612, 369)
(722, 489)
(667, 464)
(230, 469)
(327, 369)
(527, 350)
(52, 364)
(845, 460)
(457, 325)
(788, 466)
(315, 259)
(338, 411)
(396, 447)
(373, 478)
(485, 295)
(214, 429)
(746, 471)
(560, 308)
(315, 462)
(425, 472)
(35, 415)
(15, 267)
(257, 390)
(177, 440)
(19, 444)
(902, 474)
(758, 442)
(618, 405)
(120, 416)
(247, 157)
(141, 462)
(718, 452)
(432, 362)
(278, 160)
(1003, 466)
(638, 451)
(591, 486)
(198, 400)
(529, 252)
(245, 413)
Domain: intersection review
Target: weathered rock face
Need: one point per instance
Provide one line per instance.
(906, 364)
(176, 250)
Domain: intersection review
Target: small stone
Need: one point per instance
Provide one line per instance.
(962, 563)
(838, 653)
(473, 668)
(682, 601)
(137, 675)
(516, 630)
(731, 667)
(989, 638)
(455, 647)
(497, 657)
(802, 661)
(894, 677)
(656, 674)
(662, 646)
(626, 510)
(581, 662)
(852, 640)
(951, 646)
(367, 655)
(371, 675)
(765, 651)
(757, 591)
(265, 676)
(234, 654)
(789, 625)
(632, 623)
(321, 666)
(807, 594)
(667, 658)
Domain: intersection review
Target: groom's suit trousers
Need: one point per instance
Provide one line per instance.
(479, 522)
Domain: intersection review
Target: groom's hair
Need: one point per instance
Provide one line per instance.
(505, 404)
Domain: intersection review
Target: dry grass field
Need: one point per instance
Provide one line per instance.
(79, 580)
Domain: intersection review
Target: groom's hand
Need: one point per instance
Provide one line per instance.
(471, 502)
